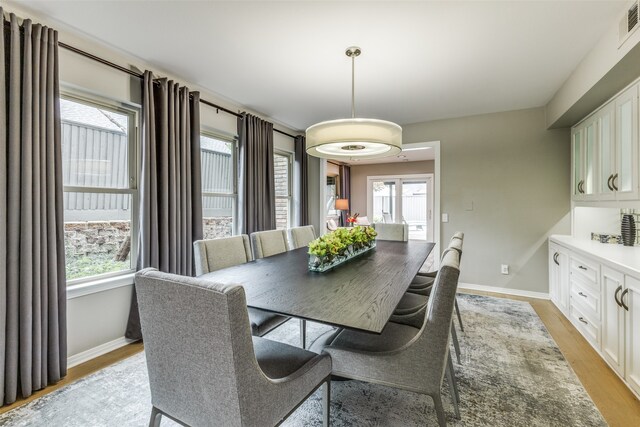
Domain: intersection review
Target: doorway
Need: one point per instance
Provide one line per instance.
(403, 199)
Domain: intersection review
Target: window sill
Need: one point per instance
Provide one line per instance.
(100, 285)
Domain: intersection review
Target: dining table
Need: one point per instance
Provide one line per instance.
(360, 294)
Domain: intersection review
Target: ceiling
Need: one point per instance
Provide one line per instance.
(421, 60)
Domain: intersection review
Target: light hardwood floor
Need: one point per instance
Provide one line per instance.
(615, 401)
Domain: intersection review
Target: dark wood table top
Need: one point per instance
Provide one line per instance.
(360, 294)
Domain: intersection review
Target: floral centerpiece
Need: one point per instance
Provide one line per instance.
(336, 247)
(351, 219)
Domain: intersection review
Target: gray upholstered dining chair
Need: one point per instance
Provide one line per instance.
(215, 254)
(301, 236)
(273, 242)
(413, 306)
(455, 243)
(397, 232)
(205, 368)
(414, 359)
(268, 243)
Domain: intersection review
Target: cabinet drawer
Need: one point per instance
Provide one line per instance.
(586, 270)
(586, 298)
(588, 327)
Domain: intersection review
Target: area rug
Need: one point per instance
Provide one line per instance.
(512, 374)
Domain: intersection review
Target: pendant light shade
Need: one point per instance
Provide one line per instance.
(362, 138)
(354, 137)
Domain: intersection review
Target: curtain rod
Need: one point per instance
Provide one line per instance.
(141, 76)
(138, 75)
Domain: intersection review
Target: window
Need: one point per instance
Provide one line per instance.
(218, 160)
(331, 194)
(282, 179)
(100, 187)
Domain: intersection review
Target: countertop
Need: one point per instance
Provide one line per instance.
(622, 258)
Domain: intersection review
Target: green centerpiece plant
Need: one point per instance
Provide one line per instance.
(339, 246)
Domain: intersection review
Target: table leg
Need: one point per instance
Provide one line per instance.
(303, 333)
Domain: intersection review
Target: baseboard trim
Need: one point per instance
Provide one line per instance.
(505, 291)
(94, 352)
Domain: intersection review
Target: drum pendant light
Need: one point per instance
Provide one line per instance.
(346, 139)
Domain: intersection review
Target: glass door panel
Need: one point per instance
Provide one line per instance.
(625, 159)
(607, 160)
(577, 162)
(385, 207)
(589, 159)
(414, 208)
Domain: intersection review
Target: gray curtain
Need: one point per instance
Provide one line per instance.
(302, 159)
(256, 187)
(345, 189)
(170, 182)
(33, 341)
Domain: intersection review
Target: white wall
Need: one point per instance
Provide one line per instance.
(100, 318)
(504, 181)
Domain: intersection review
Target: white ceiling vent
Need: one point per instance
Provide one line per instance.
(628, 22)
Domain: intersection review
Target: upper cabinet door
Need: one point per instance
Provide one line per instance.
(577, 162)
(625, 178)
(606, 152)
(590, 136)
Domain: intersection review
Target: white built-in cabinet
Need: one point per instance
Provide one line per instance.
(604, 151)
(621, 326)
(603, 302)
(558, 271)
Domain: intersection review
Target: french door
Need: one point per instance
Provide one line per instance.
(404, 199)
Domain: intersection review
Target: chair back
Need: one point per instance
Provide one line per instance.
(268, 243)
(198, 347)
(214, 254)
(387, 218)
(301, 236)
(434, 334)
(331, 224)
(397, 232)
(458, 235)
(362, 220)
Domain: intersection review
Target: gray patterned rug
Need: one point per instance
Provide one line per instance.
(512, 374)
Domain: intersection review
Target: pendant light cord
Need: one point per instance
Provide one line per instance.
(353, 87)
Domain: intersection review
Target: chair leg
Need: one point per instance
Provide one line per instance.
(303, 333)
(437, 402)
(453, 387)
(156, 416)
(456, 344)
(458, 313)
(326, 402)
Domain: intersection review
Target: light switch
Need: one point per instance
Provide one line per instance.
(445, 217)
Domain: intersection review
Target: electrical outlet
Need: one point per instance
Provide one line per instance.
(504, 268)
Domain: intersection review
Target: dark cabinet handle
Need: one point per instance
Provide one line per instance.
(615, 296)
(625, 306)
(614, 184)
(581, 267)
(609, 182)
(582, 295)
(555, 258)
(581, 187)
(583, 321)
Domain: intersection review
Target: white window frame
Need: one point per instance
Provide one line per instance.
(289, 197)
(233, 140)
(88, 285)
